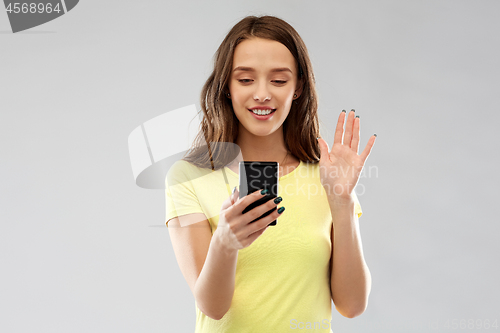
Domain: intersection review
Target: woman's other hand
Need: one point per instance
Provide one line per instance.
(234, 230)
(341, 167)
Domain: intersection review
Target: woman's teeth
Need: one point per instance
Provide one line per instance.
(262, 112)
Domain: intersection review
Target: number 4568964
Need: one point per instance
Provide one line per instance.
(32, 8)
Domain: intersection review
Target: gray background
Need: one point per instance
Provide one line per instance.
(83, 249)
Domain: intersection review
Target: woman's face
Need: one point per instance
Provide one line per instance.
(264, 76)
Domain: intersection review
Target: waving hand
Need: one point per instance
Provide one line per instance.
(341, 167)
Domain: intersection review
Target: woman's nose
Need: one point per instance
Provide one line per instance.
(261, 93)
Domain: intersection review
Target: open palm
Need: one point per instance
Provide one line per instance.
(341, 167)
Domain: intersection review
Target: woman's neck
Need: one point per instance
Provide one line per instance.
(270, 148)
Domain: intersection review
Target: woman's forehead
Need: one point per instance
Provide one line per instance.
(259, 54)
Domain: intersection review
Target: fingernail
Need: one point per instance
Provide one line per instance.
(234, 190)
(343, 111)
(264, 191)
(278, 200)
(353, 110)
(375, 134)
(357, 116)
(280, 210)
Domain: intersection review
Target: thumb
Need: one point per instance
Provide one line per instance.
(323, 148)
(232, 199)
(235, 195)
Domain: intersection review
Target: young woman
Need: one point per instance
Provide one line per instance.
(251, 277)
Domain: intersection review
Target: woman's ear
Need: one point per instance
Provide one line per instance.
(298, 91)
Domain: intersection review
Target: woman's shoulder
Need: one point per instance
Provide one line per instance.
(182, 171)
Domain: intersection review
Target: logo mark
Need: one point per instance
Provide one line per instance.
(31, 13)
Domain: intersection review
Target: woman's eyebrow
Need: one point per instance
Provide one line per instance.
(250, 69)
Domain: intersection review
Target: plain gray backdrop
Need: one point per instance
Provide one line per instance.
(84, 249)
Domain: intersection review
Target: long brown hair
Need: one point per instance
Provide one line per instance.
(219, 123)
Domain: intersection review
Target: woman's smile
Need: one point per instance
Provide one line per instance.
(262, 112)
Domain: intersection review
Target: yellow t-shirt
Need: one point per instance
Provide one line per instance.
(282, 280)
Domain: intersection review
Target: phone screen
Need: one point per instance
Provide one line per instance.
(255, 176)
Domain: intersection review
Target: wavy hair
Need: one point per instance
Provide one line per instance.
(220, 125)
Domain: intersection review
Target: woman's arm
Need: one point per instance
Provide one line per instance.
(208, 262)
(340, 169)
(208, 267)
(350, 279)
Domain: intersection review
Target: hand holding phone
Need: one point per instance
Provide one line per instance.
(235, 231)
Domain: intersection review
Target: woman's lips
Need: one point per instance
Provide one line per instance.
(264, 117)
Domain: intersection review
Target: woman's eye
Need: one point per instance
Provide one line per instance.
(250, 80)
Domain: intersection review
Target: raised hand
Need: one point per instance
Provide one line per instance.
(341, 167)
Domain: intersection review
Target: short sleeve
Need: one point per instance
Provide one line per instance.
(180, 196)
(357, 205)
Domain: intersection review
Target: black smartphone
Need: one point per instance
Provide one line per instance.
(255, 176)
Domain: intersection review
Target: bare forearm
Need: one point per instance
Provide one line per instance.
(214, 287)
(350, 276)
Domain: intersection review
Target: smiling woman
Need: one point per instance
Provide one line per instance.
(263, 70)
(245, 276)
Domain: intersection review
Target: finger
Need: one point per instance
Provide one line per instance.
(340, 128)
(240, 205)
(231, 200)
(263, 222)
(348, 128)
(355, 135)
(324, 149)
(366, 152)
(234, 195)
